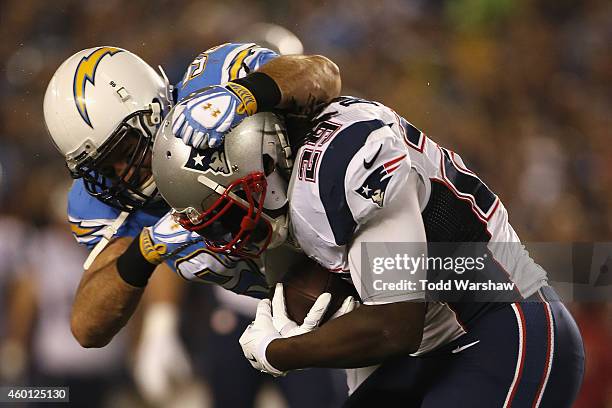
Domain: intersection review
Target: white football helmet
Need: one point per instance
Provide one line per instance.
(235, 195)
(105, 104)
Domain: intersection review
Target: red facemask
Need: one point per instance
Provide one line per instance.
(234, 224)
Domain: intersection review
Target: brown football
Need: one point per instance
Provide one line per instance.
(303, 284)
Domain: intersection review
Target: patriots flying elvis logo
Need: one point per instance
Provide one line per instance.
(374, 187)
(211, 160)
(86, 71)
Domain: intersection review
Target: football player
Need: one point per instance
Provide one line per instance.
(104, 128)
(364, 174)
(102, 109)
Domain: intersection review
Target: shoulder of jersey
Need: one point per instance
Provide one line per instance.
(168, 231)
(359, 148)
(88, 217)
(221, 64)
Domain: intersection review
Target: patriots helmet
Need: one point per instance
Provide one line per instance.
(235, 195)
(102, 108)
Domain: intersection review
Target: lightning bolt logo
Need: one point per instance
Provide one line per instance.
(81, 231)
(86, 71)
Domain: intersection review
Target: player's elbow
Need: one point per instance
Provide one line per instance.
(85, 334)
(403, 327)
(330, 73)
(403, 340)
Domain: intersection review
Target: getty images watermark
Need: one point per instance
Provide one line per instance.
(485, 272)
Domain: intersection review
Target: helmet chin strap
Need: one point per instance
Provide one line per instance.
(169, 87)
(280, 231)
(109, 233)
(148, 186)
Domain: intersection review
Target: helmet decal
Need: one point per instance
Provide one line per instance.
(86, 71)
(211, 160)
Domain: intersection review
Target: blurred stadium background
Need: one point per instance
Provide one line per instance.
(520, 88)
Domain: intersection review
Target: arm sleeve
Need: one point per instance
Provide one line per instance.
(221, 64)
(398, 228)
(376, 174)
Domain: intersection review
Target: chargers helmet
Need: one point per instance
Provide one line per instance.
(235, 196)
(105, 104)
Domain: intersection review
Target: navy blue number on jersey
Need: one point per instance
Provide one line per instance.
(467, 185)
(309, 158)
(308, 164)
(461, 180)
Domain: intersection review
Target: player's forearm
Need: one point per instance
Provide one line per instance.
(104, 302)
(361, 338)
(304, 80)
(111, 289)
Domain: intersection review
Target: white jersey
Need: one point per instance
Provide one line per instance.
(360, 155)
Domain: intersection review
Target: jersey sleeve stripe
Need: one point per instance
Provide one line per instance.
(332, 173)
(390, 163)
(80, 231)
(230, 58)
(237, 64)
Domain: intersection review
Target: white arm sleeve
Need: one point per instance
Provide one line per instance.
(399, 220)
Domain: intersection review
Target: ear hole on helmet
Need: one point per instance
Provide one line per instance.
(268, 164)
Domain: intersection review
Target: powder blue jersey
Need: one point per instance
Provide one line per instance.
(90, 219)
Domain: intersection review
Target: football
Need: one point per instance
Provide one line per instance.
(303, 284)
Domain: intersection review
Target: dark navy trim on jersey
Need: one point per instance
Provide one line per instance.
(525, 354)
(332, 173)
(467, 183)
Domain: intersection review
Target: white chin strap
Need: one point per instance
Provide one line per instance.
(280, 231)
(148, 186)
(109, 232)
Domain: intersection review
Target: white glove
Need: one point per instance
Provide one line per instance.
(287, 327)
(202, 121)
(161, 362)
(256, 338)
(347, 306)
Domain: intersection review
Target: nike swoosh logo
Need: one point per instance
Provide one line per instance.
(368, 164)
(461, 348)
(252, 358)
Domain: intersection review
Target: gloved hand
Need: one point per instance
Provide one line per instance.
(256, 338)
(161, 363)
(153, 252)
(347, 306)
(287, 327)
(203, 120)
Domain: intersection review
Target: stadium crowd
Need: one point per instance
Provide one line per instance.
(519, 88)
